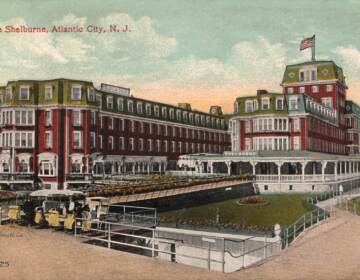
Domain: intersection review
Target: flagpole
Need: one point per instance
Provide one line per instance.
(313, 50)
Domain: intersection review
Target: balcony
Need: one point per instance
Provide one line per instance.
(306, 178)
(78, 177)
(27, 177)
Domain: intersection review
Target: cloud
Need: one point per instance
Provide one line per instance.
(350, 56)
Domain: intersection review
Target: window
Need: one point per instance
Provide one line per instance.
(279, 104)
(8, 93)
(164, 112)
(76, 92)
(141, 144)
(120, 104)
(24, 93)
(302, 89)
(150, 145)
(172, 114)
(46, 168)
(48, 92)
(293, 103)
(122, 143)
(308, 75)
(148, 109)
(132, 145)
(48, 140)
(156, 111)
(92, 140)
(329, 88)
(77, 118)
(130, 106)
(48, 117)
(296, 142)
(23, 139)
(327, 102)
(290, 187)
(290, 90)
(297, 124)
(111, 143)
(93, 118)
(315, 89)
(248, 106)
(91, 94)
(77, 139)
(111, 123)
(247, 144)
(76, 166)
(102, 120)
(139, 108)
(109, 102)
(265, 102)
(100, 139)
(158, 146)
(132, 126)
(247, 126)
(99, 100)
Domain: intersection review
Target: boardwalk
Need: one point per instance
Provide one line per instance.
(329, 251)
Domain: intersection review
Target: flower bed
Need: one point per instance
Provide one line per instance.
(253, 201)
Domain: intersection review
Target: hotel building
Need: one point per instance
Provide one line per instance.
(62, 132)
(305, 138)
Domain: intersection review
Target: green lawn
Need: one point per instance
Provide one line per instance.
(282, 209)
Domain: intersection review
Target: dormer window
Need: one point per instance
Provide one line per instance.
(302, 89)
(172, 114)
(139, 108)
(164, 112)
(265, 103)
(308, 75)
(76, 92)
(8, 93)
(148, 109)
(178, 115)
(120, 104)
(24, 93)
(130, 106)
(48, 92)
(191, 117)
(91, 94)
(279, 104)
(109, 102)
(99, 100)
(156, 111)
(185, 116)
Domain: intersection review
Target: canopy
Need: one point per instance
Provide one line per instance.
(49, 193)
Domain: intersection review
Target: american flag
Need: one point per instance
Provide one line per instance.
(307, 43)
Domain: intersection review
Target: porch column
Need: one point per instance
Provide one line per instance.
(228, 164)
(303, 165)
(323, 166)
(279, 170)
(210, 164)
(133, 168)
(335, 170)
(148, 168)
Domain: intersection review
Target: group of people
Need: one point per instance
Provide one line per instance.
(68, 207)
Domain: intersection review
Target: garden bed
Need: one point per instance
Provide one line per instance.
(279, 209)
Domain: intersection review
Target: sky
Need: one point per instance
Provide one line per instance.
(204, 52)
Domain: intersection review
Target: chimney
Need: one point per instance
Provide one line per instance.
(261, 91)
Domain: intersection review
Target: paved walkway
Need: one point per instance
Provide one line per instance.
(328, 251)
